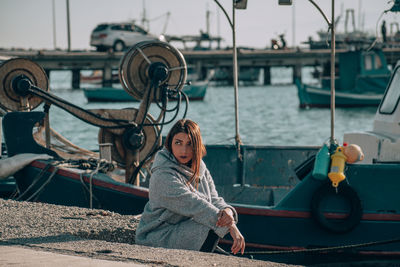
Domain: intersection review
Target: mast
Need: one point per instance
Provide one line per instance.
(54, 24)
(208, 22)
(333, 47)
(68, 28)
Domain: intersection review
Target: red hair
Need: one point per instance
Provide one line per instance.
(199, 151)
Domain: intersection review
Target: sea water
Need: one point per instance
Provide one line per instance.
(268, 115)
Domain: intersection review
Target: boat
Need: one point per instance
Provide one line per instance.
(292, 207)
(361, 80)
(272, 188)
(96, 77)
(55, 181)
(194, 91)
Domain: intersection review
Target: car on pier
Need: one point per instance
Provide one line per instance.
(119, 36)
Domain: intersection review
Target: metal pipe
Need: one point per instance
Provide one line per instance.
(54, 25)
(235, 72)
(333, 46)
(225, 13)
(235, 79)
(331, 25)
(320, 11)
(68, 27)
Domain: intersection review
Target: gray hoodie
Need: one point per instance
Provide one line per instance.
(177, 215)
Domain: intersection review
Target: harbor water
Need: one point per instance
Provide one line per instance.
(268, 115)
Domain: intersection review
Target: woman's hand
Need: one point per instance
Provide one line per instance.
(238, 240)
(225, 218)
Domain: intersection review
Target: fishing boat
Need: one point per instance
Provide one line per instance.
(361, 80)
(295, 204)
(96, 77)
(272, 188)
(93, 185)
(194, 91)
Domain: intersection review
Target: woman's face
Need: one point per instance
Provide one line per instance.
(182, 148)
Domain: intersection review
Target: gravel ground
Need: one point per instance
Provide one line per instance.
(96, 234)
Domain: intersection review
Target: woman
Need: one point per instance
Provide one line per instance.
(184, 210)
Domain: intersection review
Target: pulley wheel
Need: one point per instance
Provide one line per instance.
(9, 99)
(118, 151)
(134, 67)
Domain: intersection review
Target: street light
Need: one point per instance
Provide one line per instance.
(331, 25)
(236, 4)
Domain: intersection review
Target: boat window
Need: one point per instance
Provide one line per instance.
(391, 98)
(368, 62)
(377, 61)
(372, 62)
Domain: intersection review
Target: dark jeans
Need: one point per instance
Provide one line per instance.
(210, 243)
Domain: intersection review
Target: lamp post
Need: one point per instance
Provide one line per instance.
(236, 4)
(331, 25)
(68, 27)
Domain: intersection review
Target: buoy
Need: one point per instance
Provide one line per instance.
(321, 165)
(353, 153)
(336, 174)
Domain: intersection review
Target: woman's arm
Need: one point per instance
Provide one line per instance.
(218, 201)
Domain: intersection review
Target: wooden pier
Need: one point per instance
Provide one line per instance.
(200, 60)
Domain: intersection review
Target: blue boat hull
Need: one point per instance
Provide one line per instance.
(286, 232)
(274, 198)
(361, 80)
(111, 94)
(312, 96)
(68, 188)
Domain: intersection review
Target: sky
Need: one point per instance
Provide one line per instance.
(29, 24)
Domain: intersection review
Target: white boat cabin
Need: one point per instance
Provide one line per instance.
(382, 144)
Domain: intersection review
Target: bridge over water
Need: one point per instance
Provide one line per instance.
(200, 60)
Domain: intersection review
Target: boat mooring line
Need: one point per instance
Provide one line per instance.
(35, 180)
(37, 192)
(87, 189)
(325, 249)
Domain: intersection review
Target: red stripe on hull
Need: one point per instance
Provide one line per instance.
(307, 214)
(143, 192)
(140, 192)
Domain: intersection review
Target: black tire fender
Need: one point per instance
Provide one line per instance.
(336, 225)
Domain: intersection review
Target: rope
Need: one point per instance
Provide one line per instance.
(87, 189)
(37, 192)
(92, 163)
(91, 184)
(326, 249)
(35, 180)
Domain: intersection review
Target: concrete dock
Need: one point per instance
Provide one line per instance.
(20, 256)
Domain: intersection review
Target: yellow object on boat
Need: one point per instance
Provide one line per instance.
(336, 174)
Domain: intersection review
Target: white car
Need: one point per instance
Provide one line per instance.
(119, 36)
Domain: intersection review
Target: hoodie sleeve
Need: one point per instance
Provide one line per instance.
(216, 200)
(168, 190)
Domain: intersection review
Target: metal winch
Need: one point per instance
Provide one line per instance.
(149, 71)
